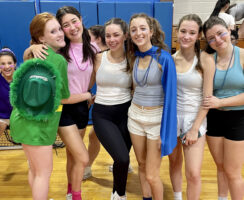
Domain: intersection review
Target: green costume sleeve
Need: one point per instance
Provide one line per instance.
(65, 85)
(61, 64)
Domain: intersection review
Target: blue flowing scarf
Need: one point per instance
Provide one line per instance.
(150, 52)
(168, 132)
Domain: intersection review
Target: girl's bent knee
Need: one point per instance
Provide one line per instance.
(151, 179)
(142, 167)
(220, 167)
(84, 161)
(81, 160)
(123, 160)
(232, 173)
(193, 177)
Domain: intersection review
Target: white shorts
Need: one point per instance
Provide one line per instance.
(145, 122)
(185, 122)
(5, 121)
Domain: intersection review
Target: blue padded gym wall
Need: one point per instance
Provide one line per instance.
(106, 10)
(15, 20)
(125, 10)
(88, 9)
(163, 12)
(17, 15)
(53, 5)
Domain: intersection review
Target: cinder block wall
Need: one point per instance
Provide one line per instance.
(201, 7)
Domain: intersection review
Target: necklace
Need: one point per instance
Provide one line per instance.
(85, 65)
(227, 67)
(116, 59)
(142, 82)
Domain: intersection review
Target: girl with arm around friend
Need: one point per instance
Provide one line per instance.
(36, 93)
(226, 115)
(80, 54)
(194, 81)
(152, 114)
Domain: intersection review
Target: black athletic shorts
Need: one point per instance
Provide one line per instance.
(227, 124)
(77, 113)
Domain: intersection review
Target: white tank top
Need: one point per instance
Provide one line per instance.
(113, 82)
(189, 89)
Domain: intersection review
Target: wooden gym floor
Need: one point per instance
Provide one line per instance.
(14, 185)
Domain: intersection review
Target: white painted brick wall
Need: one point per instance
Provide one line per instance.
(201, 7)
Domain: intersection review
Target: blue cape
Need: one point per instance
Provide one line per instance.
(168, 132)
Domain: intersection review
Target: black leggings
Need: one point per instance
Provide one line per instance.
(110, 125)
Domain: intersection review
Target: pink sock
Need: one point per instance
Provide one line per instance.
(69, 189)
(76, 195)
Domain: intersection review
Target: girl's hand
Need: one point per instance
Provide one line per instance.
(39, 51)
(93, 98)
(91, 101)
(211, 102)
(190, 137)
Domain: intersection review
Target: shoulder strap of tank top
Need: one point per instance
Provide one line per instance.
(233, 51)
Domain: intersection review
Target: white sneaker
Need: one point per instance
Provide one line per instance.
(110, 168)
(130, 169)
(115, 196)
(112, 196)
(87, 173)
(69, 196)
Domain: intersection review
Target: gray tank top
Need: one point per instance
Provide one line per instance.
(148, 87)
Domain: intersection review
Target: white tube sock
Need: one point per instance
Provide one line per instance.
(222, 198)
(177, 195)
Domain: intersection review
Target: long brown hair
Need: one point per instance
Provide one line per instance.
(124, 28)
(88, 48)
(99, 32)
(156, 40)
(197, 19)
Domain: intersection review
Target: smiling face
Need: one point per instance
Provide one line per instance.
(188, 34)
(218, 37)
(72, 26)
(53, 35)
(140, 33)
(114, 37)
(7, 66)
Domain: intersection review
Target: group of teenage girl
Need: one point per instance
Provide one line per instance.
(146, 98)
